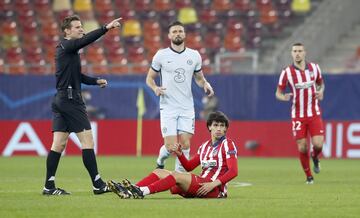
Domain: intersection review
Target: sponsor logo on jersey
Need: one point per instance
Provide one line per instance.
(304, 85)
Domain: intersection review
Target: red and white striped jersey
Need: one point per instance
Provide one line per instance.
(303, 86)
(214, 158)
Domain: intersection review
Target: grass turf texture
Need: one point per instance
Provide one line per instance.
(277, 190)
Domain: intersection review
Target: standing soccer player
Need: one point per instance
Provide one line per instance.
(307, 88)
(217, 158)
(176, 66)
(69, 113)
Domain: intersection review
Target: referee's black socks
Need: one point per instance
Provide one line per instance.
(89, 160)
(52, 163)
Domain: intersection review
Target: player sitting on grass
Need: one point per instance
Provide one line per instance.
(217, 157)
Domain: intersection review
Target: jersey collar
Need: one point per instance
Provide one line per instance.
(177, 51)
(306, 66)
(218, 142)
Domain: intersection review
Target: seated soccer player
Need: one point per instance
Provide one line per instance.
(218, 160)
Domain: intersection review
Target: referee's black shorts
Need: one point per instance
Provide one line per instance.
(69, 115)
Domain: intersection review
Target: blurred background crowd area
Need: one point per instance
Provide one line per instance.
(232, 36)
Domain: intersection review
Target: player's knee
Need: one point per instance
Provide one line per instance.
(58, 147)
(318, 144)
(302, 148)
(176, 175)
(87, 145)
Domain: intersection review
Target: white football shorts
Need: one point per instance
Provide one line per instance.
(175, 122)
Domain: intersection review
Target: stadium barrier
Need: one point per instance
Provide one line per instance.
(118, 137)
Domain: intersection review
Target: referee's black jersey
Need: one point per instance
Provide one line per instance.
(68, 64)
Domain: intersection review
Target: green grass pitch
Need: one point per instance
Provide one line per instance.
(276, 189)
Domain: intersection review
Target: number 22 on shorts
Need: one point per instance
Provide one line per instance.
(296, 125)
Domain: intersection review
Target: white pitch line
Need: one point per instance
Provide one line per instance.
(241, 184)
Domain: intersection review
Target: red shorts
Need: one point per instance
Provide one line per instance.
(194, 186)
(301, 126)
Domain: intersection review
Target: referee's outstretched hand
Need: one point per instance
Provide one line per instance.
(114, 24)
(102, 83)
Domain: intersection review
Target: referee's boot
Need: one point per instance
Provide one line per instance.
(103, 189)
(54, 191)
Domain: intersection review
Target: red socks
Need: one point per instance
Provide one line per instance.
(163, 184)
(151, 178)
(305, 163)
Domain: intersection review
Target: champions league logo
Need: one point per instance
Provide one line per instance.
(179, 75)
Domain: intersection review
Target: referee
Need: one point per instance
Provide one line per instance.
(69, 114)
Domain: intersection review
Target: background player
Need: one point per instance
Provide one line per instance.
(176, 65)
(307, 88)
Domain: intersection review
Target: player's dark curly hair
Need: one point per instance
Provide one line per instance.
(217, 116)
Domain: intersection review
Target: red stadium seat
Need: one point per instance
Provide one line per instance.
(102, 5)
(151, 28)
(39, 67)
(206, 64)
(142, 5)
(183, 4)
(194, 41)
(22, 5)
(64, 13)
(242, 5)
(135, 54)
(26, 16)
(6, 5)
(128, 15)
(264, 5)
(268, 16)
(17, 67)
(33, 54)
(123, 6)
(9, 28)
(106, 16)
(43, 5)
(100, 68)
(152, 43)
(95, 54)
(50, 29)
(233, 43)
(112, 42)
(13, 54)
(162, 5)
(208, 16)
(234, 27)
(141, 67)
(118, 64)
(221, 5)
